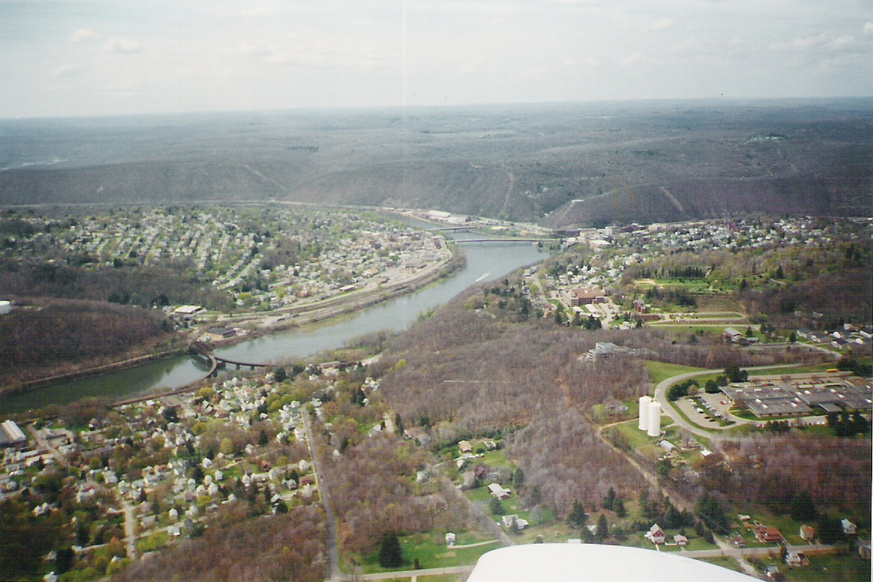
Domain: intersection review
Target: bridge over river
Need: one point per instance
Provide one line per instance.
(217, 362)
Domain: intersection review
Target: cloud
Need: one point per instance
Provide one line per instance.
(633, 59)
(868, 28)
(801, 44)
(122, 46)
(662, 24)
(84, 35)
(255, 50)
(67, 71)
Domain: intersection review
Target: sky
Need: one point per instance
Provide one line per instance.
(61, 58)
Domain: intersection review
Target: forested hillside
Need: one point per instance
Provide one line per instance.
(558, 164)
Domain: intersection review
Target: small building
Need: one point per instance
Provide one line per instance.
(450, 540)
(849, 528)
(656, 535)
(220, 333)
(807, 533)
(796, 559)
(519, 522)
(680, 540)
(768, 534)
(498, 491)
(465, 447)
(188, 312)
(5, 307)
(734, 336)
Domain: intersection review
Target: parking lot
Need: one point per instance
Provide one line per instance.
(705, 409)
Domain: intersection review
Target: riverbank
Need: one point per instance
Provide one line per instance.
(259, 325)
(16, 387)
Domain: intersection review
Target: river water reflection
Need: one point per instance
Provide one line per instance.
(485, 261)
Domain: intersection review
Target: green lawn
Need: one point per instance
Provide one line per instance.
(431, 551)
(153, 542)
(728, 563)
(633, 435)
(849, 569)
(661, 371)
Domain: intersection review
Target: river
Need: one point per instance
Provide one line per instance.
(485, 261)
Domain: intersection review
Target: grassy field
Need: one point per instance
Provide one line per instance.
(848, 569)
(823, 568)
(661, 371)
(153, 542)
(431, 552)
(728, 563)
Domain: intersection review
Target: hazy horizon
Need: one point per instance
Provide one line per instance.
(84, 59)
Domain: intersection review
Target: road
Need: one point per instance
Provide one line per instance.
(486, 521)
(44, 444)
(333, 571)
(129, 530)
(411, 574)
(667, 406)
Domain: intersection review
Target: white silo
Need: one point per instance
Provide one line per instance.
(654, 419)
(5, 307)
(644, 412)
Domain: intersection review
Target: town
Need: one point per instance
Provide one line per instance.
(370, 472)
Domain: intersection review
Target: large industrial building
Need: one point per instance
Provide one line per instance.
(800, 396)
(11, 435)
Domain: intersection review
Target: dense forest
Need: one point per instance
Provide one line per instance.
(470, 371)
(285, 547)
(56, 334)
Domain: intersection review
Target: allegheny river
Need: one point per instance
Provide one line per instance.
(485, 261)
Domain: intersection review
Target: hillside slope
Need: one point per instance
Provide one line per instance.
(558, 164)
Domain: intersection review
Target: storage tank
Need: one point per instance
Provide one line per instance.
(644, 412)
(5, 307)
(654, 419)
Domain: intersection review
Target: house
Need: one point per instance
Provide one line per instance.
(680, 540)
(498, 491)
(849, 528)
(768, 534)
(796, 559)
(807, 533)
(519, 522)
(734, 336)
(656, 535)
(465, 447)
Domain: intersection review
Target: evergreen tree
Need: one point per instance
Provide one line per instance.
(518, 479)
(803, 507)
(602, 528)
(620, 511)
(609, 500)
(577, 516)
(390, 552)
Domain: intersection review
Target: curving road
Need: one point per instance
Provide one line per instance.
(667, 406)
